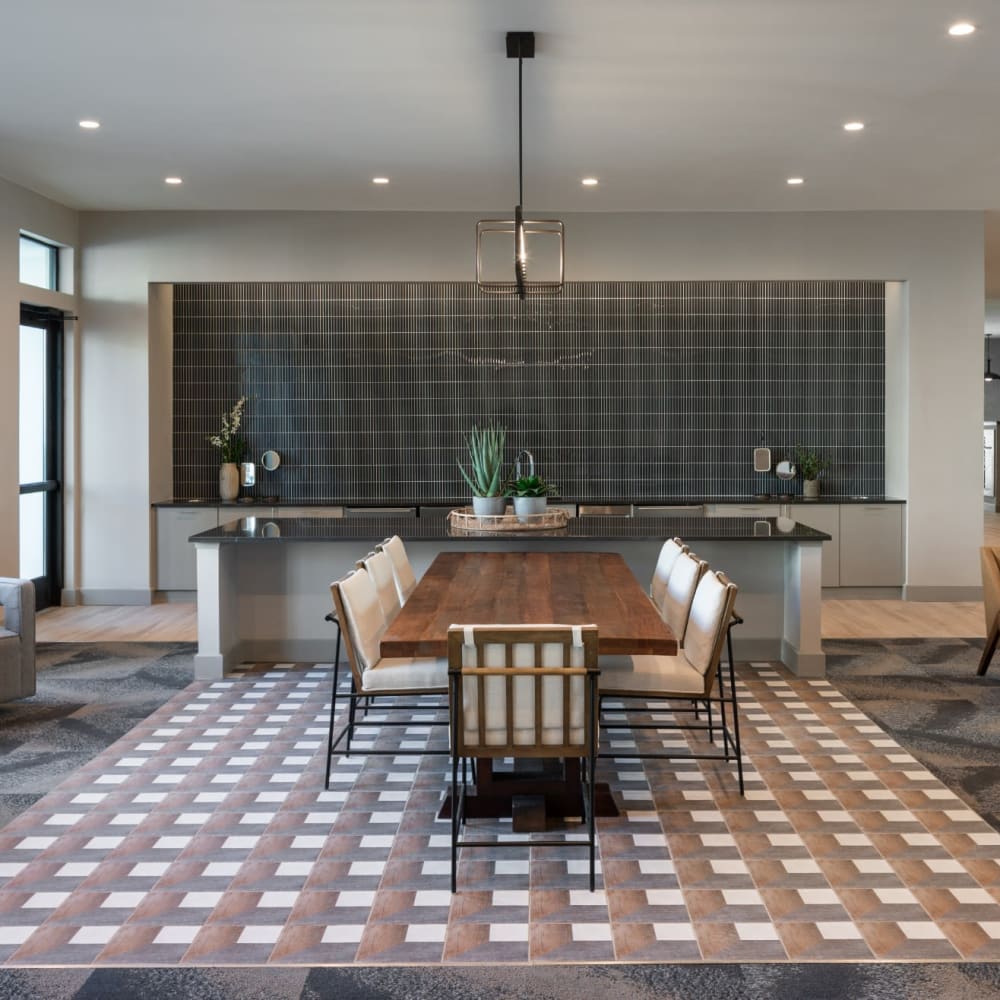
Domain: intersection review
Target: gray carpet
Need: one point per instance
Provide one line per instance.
(89, 695)
(926, 694)
(561, 982)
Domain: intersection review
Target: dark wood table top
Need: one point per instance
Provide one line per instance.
(526, 588)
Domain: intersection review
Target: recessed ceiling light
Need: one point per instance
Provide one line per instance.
(90, 123)
(589, 182)
(796, 180)
(173, 180)
(380, 180)
(853, 126)
(962, 28)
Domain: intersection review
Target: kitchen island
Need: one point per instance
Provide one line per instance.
(263, 585)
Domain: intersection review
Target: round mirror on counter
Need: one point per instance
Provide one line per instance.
(270, 460)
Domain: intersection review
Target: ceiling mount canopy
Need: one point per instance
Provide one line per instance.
(520, 46)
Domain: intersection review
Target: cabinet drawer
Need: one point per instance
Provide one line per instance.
(757, 510)
(308, 512)
(871, 545)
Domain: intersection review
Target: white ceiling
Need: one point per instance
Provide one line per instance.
(674, 104)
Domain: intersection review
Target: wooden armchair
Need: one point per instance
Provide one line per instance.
(989, 558)
(522, 691)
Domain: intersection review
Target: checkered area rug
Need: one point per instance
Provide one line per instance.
(205, 836)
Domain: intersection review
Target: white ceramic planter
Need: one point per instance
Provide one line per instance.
(492, 506)
(524, 507)
(810, 489)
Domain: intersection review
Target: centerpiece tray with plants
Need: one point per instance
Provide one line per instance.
(465, 520)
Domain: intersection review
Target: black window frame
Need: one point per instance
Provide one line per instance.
(48, 588)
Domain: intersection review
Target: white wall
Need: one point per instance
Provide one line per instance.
(938, 254)
(20, 209)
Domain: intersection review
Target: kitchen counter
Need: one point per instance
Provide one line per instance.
(264, 583)
(599, 529)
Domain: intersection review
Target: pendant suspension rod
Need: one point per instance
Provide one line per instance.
(520, 133)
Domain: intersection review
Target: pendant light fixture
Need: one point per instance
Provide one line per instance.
(989, 375)
(520, 46)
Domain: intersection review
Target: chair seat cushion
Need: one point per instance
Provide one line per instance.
(654, 675)
(407, 673)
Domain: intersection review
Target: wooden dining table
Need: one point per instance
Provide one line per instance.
(529, 588)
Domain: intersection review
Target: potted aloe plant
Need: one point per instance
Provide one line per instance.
(811, 465)
(485, 476)
(530, 495)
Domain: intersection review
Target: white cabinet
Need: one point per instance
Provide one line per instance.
(871, 545)
(175, 560)
(824, 518)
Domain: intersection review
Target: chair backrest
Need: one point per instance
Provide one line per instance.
(401, 568)
(989, 557)
(684, 576)
(711, 611)
(361, 618)
(523, 690)
(669, 551)
(378, 565)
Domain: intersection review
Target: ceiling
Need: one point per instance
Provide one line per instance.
(673, 104)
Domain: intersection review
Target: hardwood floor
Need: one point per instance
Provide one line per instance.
(841, 619)
(107, 623)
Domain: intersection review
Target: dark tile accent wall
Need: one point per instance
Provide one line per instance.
(639, 390)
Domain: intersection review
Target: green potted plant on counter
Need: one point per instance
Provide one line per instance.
(530, 495)
(231, 450)
(485, 476)
(811, 466)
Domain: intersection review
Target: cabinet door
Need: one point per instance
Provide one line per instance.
(871, 545)
(175, 559)
(824, 518)
(741, 510)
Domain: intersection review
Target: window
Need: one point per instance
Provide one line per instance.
(39, 263)
(40, 451)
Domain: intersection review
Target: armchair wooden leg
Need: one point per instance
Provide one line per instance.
(991, 645)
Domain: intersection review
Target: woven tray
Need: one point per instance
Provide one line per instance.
(465, 519)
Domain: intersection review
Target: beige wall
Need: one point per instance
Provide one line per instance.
(938, 255)
(21, 209)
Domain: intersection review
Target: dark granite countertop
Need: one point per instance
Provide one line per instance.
(374, 529)
(774, 498)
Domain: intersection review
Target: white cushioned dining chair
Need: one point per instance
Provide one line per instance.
(402, 569)
(679, 590)
(522, 691)
(363, 623)
(695, 674)
(379, 567)
(669, 551)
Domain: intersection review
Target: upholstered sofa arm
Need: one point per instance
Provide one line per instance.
(17, 655)
(18, 600)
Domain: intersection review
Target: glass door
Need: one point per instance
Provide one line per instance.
(40, 452)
